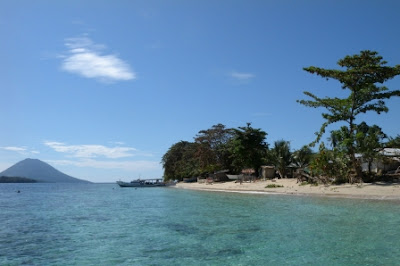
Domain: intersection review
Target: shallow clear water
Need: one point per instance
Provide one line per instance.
(102, 224)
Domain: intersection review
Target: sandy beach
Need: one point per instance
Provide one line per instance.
(380, 190)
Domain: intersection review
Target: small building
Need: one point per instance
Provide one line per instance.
(390, 161)
(267, 172)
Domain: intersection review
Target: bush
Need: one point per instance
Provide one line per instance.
(273, 186)
(330, 165)
(304, 183)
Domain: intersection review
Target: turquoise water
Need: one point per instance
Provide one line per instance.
(102, 224)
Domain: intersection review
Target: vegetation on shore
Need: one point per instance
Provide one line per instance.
(220, 148)
(16, 179)
(273, 186)
(361, 75)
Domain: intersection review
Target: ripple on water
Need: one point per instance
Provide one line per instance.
(84, 225)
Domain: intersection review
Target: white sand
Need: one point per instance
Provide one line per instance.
(387, 191)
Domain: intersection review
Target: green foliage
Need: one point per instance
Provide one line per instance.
(273, 186)
(361, 75)
(180, 161)
(305, 183)
(340, 139)
(216, 149)
(248, 148)
(213, 151)
(330, 166)
(303, 157)
(393, 142)
(280, 156)
(369, 142)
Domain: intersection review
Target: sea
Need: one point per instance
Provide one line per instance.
(103, 224)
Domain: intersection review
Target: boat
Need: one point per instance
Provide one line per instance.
(235, 177)
(146, 183)
(171, 183)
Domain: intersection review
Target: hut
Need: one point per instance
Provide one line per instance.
(267, 172)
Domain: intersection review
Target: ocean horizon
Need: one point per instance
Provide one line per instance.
(92, 224)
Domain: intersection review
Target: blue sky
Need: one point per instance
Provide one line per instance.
(101, 89)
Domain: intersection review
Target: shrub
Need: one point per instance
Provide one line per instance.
(273, 186)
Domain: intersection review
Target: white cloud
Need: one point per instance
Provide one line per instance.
(122, 165)
(85, 58)
(20, 150)
(90, 151)
(241, 76)
(17, 149)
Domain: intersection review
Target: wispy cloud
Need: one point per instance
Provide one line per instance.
(21, 150)
(122, 165)
(241, 76)
(91, 151)
(85, 58)
(119, 143)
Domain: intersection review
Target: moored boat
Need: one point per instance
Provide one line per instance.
(235, 177)
(144, 183)
(171, 183)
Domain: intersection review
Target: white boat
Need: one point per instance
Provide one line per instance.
(145, 183)
(235, 177)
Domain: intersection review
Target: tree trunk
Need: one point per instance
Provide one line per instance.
(369, 166)
(280, 173)
(356, 167)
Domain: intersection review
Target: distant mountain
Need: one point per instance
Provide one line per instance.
(39, 171)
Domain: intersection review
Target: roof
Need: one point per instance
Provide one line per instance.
(390, 152)
(248, 171)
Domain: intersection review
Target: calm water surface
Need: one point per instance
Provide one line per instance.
(102, 224)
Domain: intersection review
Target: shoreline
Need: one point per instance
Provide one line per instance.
(376, 191)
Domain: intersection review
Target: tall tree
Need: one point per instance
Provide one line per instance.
(281, 156)
(180, 161)
(212, 151)
(369, 142)
(248, 147)
(361, 75)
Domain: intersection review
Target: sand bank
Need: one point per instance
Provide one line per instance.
(385, 191)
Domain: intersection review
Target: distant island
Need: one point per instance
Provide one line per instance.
(37, 171)
(16, 179)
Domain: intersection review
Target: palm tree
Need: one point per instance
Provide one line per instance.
(281, 156)
(302, 157)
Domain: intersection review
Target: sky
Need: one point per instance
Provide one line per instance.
(101, 90)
